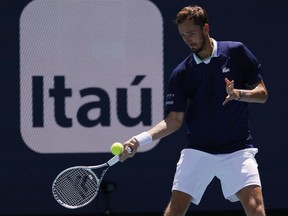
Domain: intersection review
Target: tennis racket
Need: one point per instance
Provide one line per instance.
(77, 186)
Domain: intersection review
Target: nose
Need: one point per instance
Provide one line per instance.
(187, 41)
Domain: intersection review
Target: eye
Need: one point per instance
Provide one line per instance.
(187, 34)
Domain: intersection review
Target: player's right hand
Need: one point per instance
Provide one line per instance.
(130, 149)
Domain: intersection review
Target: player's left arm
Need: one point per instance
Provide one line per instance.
(256, 93)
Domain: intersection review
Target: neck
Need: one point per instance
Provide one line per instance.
(207, 51)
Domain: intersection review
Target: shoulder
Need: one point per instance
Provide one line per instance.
(237, 48)
(184, 65)
(231, 45)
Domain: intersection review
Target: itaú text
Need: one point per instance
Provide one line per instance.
(60, 94)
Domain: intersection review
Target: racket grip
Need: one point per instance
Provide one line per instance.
(129, 149)
(115, 159)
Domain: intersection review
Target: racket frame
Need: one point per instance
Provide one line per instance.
(90, 169)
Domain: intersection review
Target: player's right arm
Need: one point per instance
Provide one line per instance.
(170, 124)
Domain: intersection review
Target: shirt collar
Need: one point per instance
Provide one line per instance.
(207, 60)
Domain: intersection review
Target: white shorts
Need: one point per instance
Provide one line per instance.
(196, 169)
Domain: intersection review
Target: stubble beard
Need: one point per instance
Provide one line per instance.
(197, 50)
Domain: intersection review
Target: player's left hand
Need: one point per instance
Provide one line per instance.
(233, 94)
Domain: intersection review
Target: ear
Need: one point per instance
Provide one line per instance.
(206, 28)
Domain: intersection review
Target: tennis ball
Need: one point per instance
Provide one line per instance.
(116, 148)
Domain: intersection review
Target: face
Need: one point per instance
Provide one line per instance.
(193, 35)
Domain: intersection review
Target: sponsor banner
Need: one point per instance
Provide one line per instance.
(91, 73)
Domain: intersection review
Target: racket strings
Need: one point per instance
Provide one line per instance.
(76, 187)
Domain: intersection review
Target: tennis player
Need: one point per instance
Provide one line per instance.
(211, 90)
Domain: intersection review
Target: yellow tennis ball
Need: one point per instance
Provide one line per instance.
(116, 148)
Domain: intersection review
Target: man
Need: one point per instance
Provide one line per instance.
(211, 90)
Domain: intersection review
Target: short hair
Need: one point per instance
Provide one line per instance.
(192, 12)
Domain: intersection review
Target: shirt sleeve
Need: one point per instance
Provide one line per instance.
(253, 72)
(175, 98)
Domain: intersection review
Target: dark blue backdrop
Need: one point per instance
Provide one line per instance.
(143, 183)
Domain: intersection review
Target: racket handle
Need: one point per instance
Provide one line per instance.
(115, 159)
(129, 149)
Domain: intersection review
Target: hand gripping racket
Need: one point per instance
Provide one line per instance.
(77, 186)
